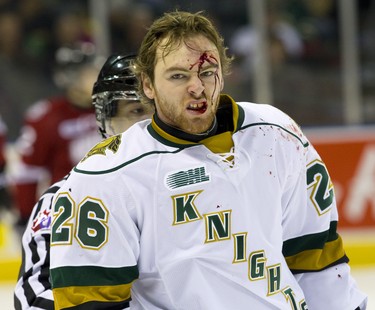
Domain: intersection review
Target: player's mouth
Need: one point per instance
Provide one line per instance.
(199, 107)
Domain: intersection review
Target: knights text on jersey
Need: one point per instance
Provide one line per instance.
(170, 224)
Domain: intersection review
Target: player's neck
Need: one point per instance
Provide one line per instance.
(184, 135)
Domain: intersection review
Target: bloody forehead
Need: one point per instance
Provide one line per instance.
(204, 57)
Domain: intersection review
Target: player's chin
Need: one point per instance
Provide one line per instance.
(199, 126)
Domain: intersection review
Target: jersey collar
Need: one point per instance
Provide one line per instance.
(229, 117)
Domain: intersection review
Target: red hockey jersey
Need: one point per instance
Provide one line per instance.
(55, 136)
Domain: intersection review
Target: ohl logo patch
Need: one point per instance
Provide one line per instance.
(187, 177)
(112, 144)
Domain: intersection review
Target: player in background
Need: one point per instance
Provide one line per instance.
(213, 204)
(117, 107)
(57, 131)
(5, 199)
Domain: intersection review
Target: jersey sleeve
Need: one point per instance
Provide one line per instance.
(33, 288)
(335, 287)
(311, 241)
(312, 247)
(95, 243)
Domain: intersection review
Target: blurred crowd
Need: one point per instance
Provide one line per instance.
(304, 51)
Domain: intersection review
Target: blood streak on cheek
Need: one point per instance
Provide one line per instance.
(205, 57)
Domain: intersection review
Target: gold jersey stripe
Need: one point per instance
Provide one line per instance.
(317, 259)
(78, 295)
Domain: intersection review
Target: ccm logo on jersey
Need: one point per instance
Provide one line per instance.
(187, 177)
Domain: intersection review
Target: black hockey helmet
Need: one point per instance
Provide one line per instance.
(117, 75)
(116, 81)
(70, 59)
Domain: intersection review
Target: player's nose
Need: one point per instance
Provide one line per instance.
(196, 86)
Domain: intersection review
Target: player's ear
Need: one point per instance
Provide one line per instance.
(148, 88)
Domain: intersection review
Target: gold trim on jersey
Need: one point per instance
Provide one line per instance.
(220, 143)
(79, 295)
(317, 259)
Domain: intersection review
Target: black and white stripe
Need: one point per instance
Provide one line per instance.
(33, 289)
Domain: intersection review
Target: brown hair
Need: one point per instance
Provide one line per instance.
(176, 26)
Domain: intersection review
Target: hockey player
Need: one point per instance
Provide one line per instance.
(214, 204)
(117, 107)
(5, 200)
(57, 131)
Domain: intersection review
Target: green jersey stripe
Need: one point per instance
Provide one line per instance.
(93, 275)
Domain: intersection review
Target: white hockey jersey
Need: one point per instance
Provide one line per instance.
(245, 219)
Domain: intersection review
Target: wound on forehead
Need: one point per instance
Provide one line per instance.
(205, 57)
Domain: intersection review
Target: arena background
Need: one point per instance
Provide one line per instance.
(314, 59)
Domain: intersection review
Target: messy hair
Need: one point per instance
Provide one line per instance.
(177, 27)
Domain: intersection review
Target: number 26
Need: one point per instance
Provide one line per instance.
(89, 227)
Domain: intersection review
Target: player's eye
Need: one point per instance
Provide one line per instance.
(138, 111)
(207, 73)
(177, 76)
